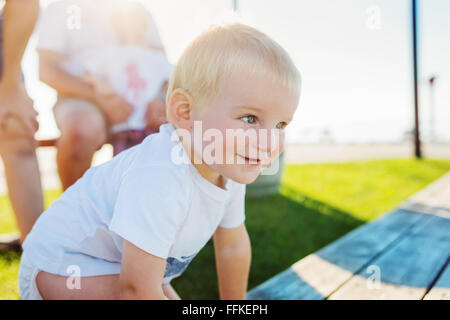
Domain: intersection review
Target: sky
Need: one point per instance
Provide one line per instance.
(355, 57)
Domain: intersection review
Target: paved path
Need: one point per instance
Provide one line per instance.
(47, 166)
(404, 254)
(303, 153)
(315, 153)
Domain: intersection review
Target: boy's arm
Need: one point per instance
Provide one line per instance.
(141, 274)
(233, 258)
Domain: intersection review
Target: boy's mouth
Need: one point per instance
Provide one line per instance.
(250, 161)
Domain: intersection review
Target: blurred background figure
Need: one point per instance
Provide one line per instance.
(18, 122)
(135, 69)
(70, 31)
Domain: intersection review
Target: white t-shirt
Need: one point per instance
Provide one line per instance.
(166, 209)
(72, 26)
(135, 73)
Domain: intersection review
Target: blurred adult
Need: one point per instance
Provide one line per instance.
(83, 113)
(18, 122)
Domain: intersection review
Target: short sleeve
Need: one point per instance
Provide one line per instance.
(234, 214)
(153, 33)
(151, 206)
(51, 28)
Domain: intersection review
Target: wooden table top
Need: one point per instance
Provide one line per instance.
(403, 254)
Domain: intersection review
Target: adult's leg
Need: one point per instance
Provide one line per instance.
(22, 175)
(83, 131)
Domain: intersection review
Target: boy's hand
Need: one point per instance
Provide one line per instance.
(141, 274)
(233, 257)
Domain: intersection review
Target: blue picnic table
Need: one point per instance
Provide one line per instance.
(403, 254)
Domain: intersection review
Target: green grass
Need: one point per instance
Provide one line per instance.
(9, 262)
(317, 204)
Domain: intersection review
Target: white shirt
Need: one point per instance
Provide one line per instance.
(72, 26)
(166, 209)
(135, 73)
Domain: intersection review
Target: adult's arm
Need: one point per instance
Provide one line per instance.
(53, 74)
(19, 18)
(115, 108)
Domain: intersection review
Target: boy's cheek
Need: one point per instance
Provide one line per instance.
(274, 154)
(271, 159)
(278, 146)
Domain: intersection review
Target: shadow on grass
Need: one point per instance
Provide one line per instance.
(9, 265)
(283, 228)
(9, 257)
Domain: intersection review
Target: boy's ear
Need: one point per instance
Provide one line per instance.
(179, 108)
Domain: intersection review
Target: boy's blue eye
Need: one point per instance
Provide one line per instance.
(280, 125)
(249, 119)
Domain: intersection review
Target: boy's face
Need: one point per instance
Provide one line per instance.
(244, 106)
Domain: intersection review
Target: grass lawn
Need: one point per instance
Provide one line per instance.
(317, 204)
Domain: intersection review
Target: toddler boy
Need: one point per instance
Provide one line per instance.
(131, 225)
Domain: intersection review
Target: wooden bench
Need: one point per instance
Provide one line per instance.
(402, 255)
(47, 143)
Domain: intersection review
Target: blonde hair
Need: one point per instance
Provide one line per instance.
(223, 50)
